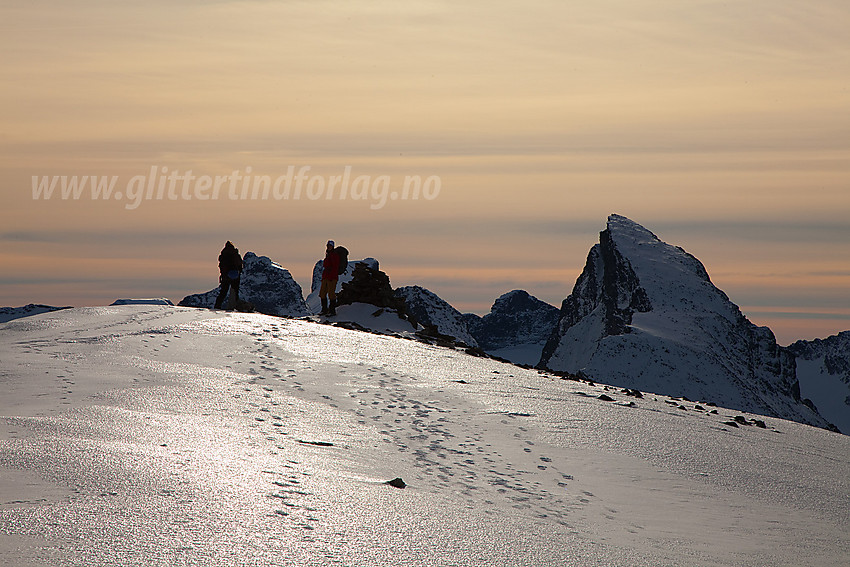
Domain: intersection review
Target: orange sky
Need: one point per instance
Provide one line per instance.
(723, 127)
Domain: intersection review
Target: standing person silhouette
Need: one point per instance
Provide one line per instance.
(230, 266)
(330, 275)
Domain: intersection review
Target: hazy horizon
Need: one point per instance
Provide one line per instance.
(722, 128)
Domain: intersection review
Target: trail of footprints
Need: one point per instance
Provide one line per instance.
(472, 465)
(289, 497)
(498, 467)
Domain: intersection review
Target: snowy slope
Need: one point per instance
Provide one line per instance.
(644, 314)
(430, 309)
(372, 318)
(265, 284)
(156, 435)
(823, 369)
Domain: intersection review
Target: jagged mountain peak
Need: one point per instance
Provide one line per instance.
(644, 314)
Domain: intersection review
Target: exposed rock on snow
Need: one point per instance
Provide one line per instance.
(9, 313)
(516, 328)
(265, 284)
(823, 369)
(431, 311)
(644, 314)
(397, 483)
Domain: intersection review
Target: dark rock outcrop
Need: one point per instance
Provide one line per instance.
(369, 285)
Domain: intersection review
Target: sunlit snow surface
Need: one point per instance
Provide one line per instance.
(154, 435)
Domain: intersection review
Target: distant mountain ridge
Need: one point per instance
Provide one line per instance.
(644, 314)
(515, 318)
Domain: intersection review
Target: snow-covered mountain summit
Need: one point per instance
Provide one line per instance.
(644, 314)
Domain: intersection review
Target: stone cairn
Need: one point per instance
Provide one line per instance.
(370, 286)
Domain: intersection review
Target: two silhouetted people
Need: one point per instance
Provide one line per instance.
(230, 266)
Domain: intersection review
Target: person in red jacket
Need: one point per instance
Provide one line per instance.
(330, 275)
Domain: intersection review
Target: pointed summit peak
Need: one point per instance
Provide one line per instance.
(614, 218)
(655, 263)
(623, 228)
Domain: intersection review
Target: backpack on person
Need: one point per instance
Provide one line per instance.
(343, 258)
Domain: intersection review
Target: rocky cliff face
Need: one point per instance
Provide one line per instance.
(430, 310)
(644, 314)
(823, 369)
(516, 328)
(265, 284)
